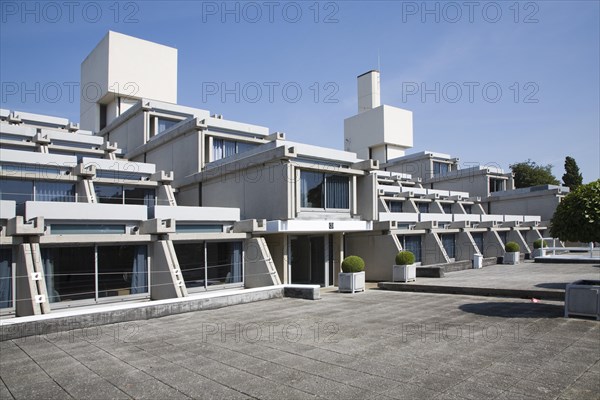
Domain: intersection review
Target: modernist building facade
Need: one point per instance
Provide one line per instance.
(151, 200)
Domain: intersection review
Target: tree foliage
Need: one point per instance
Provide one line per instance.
(577, 217)
(528, 174)
(572, 177)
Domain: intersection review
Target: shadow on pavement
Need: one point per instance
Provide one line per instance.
(514, 310)
(553, 285)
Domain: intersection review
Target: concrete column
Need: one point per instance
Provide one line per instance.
(277, 245)
(31, 294)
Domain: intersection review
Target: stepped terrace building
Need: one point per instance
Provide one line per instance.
(149, 199)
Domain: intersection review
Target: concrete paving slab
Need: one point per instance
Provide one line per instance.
(525, 280)
(376, 344)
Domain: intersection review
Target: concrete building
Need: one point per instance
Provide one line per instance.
(157, 200)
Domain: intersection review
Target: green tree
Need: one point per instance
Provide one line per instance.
(572, 177)
(577, 217)
(528, 173)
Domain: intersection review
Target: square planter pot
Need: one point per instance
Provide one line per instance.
(582, 298)
(404, 273)
(539, 253)
(351, 282)
(511, 258)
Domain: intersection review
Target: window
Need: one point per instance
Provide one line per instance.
(19, 191)
(319, 190)
(223, 148)
(440, 168)
(163, 124)
(395, 206)
(55, 191)
(448, 241)
(447, 207)
(93, 272)
(496, 185)
(221, 265)
(22, 191)
(115, 194)
(6, 278)
(413, 244)
(423, 207)
(468, 208)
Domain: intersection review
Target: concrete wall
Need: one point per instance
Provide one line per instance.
(181, 155)
(432, 251)
(543, 205)
(131, 134)
(278, 248)
(366, 193)
(260, 192)
(259, 267)
(378, 249)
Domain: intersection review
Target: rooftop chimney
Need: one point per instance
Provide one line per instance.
(368, 91)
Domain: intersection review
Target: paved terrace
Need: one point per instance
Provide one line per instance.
(524, 280)
(377, 344)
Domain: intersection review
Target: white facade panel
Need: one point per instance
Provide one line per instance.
(182, 213)
(85, 211)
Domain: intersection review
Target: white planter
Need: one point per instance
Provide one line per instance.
(511, 258)
(351, 282)
(477, 261)
(539, 253)
(404, 273)
(583, 298)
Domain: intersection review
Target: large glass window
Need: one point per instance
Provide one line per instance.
(423, 207)
(395, 206)
(222, 264)
(468, 208)
(93, 272)
(116, 194)
(319, 190)
(164, 124)
(55, 191)
(412, 243)
(6, 278)
(19, 191)
(448, 241)
(122, 270)
(223, 148)
(440, 168)
(497, 185)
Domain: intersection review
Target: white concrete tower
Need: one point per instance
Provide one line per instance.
(377, 132)
(121, 70)
(369, 92)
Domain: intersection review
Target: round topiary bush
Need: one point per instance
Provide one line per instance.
(512, 247)
(353, 264)
(538, 244)
(405, 258)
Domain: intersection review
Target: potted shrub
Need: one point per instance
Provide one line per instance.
(405, 269)
(352, 277)
(538, 248)
(511, 255)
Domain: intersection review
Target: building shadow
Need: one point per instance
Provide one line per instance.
(514, 310)
(553, 285)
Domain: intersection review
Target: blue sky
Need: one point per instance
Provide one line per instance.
(489, 82)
